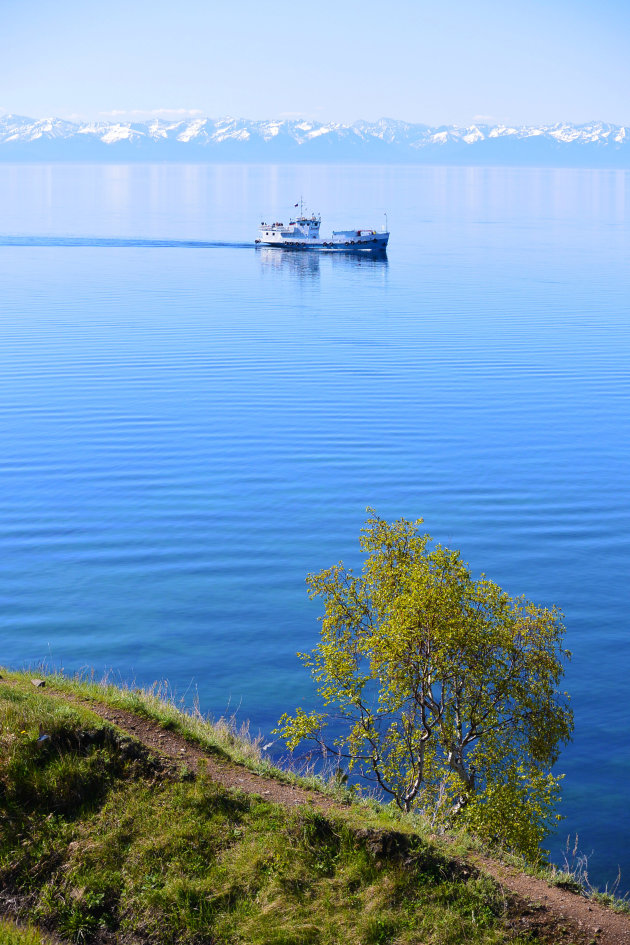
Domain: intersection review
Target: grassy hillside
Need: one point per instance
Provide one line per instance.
(102, 841)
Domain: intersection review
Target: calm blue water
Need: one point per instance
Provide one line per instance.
(189, 427)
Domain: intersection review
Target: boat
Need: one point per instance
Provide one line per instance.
(303, 233)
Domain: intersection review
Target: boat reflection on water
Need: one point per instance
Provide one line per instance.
(306, 264)
(373, 260)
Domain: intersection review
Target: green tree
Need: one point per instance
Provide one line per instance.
(439, 687)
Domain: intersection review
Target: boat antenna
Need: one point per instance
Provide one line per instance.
(386, 222)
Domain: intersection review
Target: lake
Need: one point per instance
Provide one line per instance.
(190, 425)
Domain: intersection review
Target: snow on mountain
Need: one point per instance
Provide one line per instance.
(190, 131)
(226, 139)
(316, 132)
(19, 128)
(118, 133)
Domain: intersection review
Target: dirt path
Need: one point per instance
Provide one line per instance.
(584, 920)
(177, 748)
(602, 925)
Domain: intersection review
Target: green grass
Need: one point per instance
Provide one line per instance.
(11, 934)
(100, 844)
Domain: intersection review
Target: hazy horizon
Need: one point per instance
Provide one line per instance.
(173, 115)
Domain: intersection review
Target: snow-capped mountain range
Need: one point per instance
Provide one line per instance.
(386, 140)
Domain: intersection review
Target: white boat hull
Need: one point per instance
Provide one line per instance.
(376, 243)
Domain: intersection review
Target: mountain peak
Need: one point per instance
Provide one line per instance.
(595, 143)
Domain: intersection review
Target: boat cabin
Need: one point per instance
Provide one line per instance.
(302, 228)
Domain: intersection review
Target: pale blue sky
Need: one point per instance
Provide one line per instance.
(434, 62)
